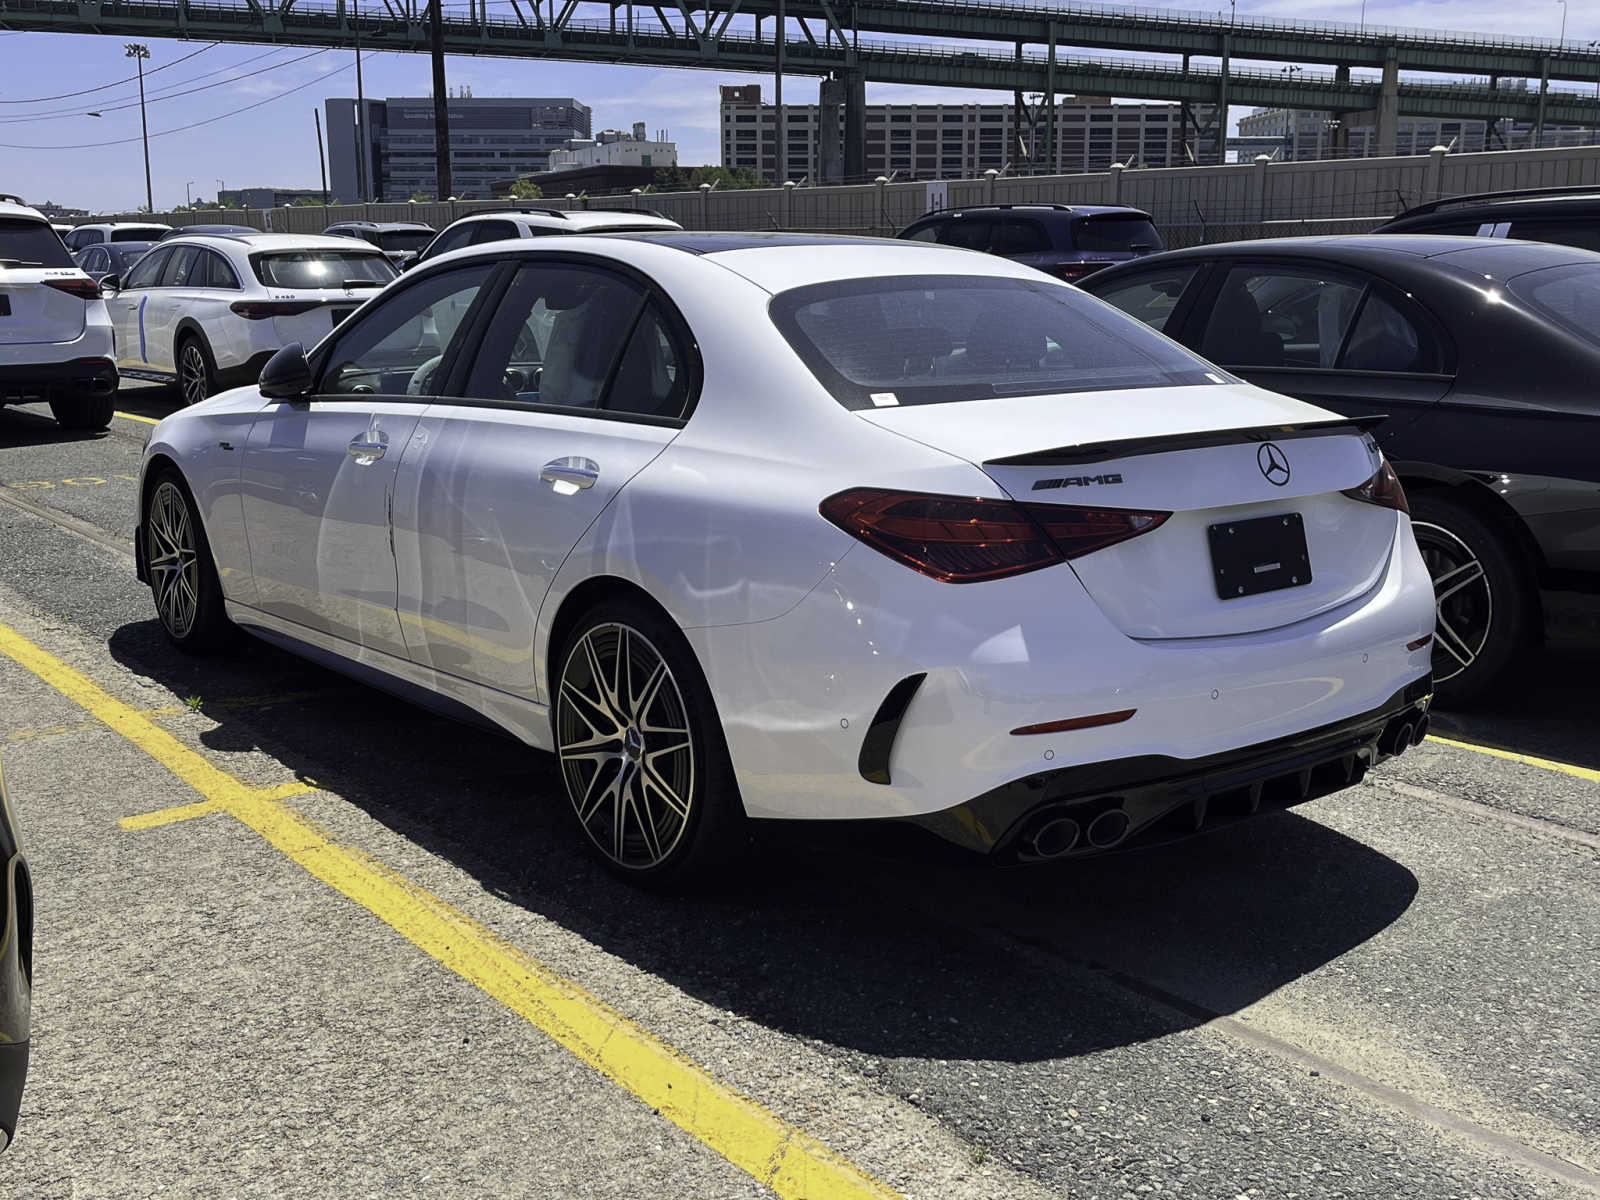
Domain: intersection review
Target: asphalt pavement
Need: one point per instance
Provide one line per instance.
(298, 939)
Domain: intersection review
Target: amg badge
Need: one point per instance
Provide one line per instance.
(1040, 485)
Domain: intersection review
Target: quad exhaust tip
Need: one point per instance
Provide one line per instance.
(1109, 828)
(1055, 837)
(1420, 731)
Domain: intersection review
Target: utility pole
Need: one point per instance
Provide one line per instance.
(322, 162)
(139, 52)
(781, 157)
(441, 108)
(362, 155)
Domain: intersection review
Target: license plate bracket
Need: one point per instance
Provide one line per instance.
(1265, 554)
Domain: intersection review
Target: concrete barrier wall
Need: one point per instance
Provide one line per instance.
(1190, 205)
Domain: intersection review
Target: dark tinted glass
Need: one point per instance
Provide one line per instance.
(1386, 339)
(400, 240)
(32, 243)
(1569, 296)
(492, 231)
(652, 379)
(1151, 297)
(218, 273)
(147, 270)
(450, 239)
(1280, 317)
(397, 346)
(1571, 231)
(931, 339)
(181, 267)
(970, 233)
(321, 268)
(1018, 236)
(124, 255)
(924, 233)
(137, 233)
(1115, 233)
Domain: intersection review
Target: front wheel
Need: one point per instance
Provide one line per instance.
(641, 749)
(183, 579)
(1481, 594)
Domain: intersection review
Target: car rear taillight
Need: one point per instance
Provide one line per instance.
(262, 310)
(1072, 271)
(962, 539)
(83, 287)
(1383, 489)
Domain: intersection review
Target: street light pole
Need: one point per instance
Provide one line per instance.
(1562, 36)
(139, 52)
(188, 200)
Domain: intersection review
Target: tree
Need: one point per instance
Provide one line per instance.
(305, 202)
(526, 189)
(421, 197)
(679, 179)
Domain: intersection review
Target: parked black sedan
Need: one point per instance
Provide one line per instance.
(16, 969)
(1484, 354)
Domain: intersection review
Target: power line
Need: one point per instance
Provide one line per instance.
(116, 83)
(64, 114)
(193, 124)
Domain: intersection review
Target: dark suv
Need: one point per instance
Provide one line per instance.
(401, 241)
(1567, 216)
(1069, 241)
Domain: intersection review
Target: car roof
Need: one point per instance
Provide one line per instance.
(123, 225)
(382, 226)
(197, 230)
(578, 221)
(1076, 210)
(275, 241)
(16, 210)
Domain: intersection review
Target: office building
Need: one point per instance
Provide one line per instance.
(266, 197)
(490, 139)
(955, 141)
(1302, 136)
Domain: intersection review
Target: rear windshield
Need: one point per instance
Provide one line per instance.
(138, 233)
(124, 256)
(929, 339)
(31, 244)
(404, 239)
(321, 268)
(1569, 296)
(1115, 233)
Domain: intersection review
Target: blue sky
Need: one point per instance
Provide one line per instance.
(274, 144)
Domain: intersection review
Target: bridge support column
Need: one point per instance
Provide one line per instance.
(1544, 95)
(1430, 185)
(1389, 106)
(855, 124)
(1220, 121)
(830, 163)
(1052, 154)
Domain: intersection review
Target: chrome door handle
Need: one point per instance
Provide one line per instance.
(568, 474)
(364, 451)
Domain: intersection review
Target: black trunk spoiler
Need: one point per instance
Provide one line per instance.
(1126, 447)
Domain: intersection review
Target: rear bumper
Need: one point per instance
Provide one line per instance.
(1097, 807)
(91, 375)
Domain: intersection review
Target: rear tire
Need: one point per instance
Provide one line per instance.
(197, 372)
(83, 412)
(1482, 588)
(183, 577)
(641, 750)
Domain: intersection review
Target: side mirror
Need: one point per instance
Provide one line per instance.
(287, 375)
(110, 285)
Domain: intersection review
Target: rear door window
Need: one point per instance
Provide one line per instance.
(1387, 339)
(925, 233)
(1151, 297)
(1019, 235)
(492, 231)
(969, 233)
(31, 244)
(181, 267)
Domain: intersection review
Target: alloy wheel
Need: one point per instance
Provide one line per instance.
(173, 560)
(193, 376)
(622, 734)
(1462, 595)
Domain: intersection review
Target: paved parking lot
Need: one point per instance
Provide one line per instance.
(295, 938)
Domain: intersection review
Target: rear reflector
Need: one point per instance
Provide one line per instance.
(83, 288)
(1383, 489)
(262, 310)
(1071, 723)
(1419, 643)
(962, 539)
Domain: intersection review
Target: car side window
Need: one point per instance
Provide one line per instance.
(450, 239)
(492, 231)
(556, 337)
(397, 347)
(1018, 235)
(970, 233)
(1387, 339)
(147, 270)
(1280, 317)
(925, 233)
(94, 260)
(1151, 297)
(218, 272)
(182, 268)
(652, 380)
(1583, 234)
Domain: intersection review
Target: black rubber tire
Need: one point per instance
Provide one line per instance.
(1510, 607)
(210, 630)
(716, 831)
(83, 412)
(185, 343)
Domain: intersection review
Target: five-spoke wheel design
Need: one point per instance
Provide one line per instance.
(1464, 598)
(173, 559)
(627, 757)
(194, 373)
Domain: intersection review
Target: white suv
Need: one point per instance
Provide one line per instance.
(84, 236)
(539, 222)
(207, 312)
(55, 335)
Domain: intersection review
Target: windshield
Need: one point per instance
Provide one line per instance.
(321, 268)
(1569, 296)
(404, 239)
(31, 244)
(1122, 233)
(935, 338)
(138, 233)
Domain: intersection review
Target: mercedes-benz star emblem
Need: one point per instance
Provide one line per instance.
(1274, 465)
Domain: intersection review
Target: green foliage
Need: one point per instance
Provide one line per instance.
(677, 179)
(306, 202)
(421, 197)
(526, 189)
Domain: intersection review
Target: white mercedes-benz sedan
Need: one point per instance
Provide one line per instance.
(783, 526)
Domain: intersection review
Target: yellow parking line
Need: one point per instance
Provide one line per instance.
(790, 1162)
(1548, 764)
(141, 420)
(185, 812)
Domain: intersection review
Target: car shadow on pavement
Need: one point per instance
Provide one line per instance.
(20, 427)
(880, 949)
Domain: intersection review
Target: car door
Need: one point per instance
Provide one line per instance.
(128, 307)
(1331, 335)
(1024, 240)
(317, 472)
(181, 286)
(579, 382)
